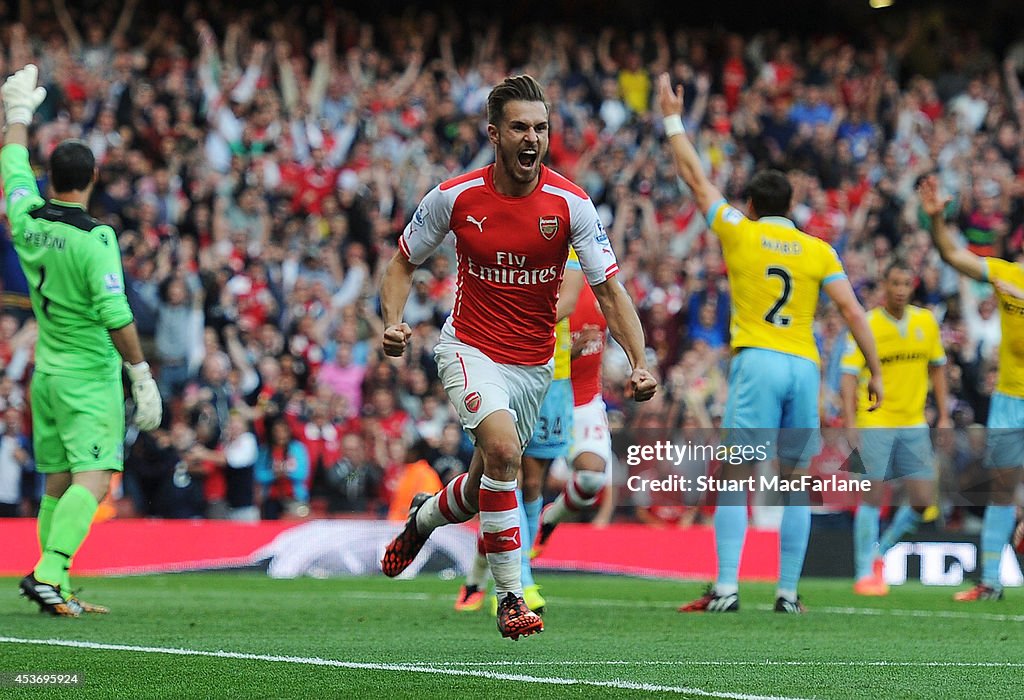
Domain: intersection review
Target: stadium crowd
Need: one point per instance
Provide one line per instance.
(259, 169)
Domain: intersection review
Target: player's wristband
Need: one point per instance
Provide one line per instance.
(19, 115)
(673, 125)
(137, 372)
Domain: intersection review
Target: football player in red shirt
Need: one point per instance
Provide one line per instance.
(513, 223)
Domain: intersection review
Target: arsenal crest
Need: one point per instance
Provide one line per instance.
(548, 227)
(473, 402)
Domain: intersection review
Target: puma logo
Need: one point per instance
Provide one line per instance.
(514, 539)
(479, 224)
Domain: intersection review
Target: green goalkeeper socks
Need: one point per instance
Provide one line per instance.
(45, 519)
(70, 524)
(46, 507)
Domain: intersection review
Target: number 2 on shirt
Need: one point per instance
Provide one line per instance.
(774, 316)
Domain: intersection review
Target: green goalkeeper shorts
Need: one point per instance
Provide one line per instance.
(77, 424)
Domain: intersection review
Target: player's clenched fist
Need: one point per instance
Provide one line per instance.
(643, 384)
(396, 337)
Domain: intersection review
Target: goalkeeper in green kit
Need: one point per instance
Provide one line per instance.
(86, 330)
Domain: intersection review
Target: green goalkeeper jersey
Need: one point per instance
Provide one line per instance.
(73, 266)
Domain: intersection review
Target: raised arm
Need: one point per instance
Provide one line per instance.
(687, 161)
(21, 97)
(1013, 88)
(245, 90)
(323, 52)
(604, 52)
(236, 351)
(663, 55)
(286, 79)
(207, 69)
(124, 20)
(934, 206)
(409, 76)
(447, 55)
(700, 105)
(67, 24)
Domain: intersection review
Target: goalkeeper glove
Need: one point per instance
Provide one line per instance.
(21, 96)
(149, 409)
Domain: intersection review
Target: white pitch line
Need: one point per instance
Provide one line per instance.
(766, 662)
(408, 668)
(398, 595)
(620, 603)
(949, 614)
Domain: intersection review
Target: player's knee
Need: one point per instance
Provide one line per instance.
(588, 461)
(502, 458)
(96, 482)
(99, 491)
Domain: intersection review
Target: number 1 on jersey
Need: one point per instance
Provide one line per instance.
(774, 316)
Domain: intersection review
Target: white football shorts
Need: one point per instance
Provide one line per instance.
(478, 386)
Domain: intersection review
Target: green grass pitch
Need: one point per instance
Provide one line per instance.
(605, 637)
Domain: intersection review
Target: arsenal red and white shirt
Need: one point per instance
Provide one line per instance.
(511, 253)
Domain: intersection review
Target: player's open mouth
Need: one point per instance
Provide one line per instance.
(528, 157)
